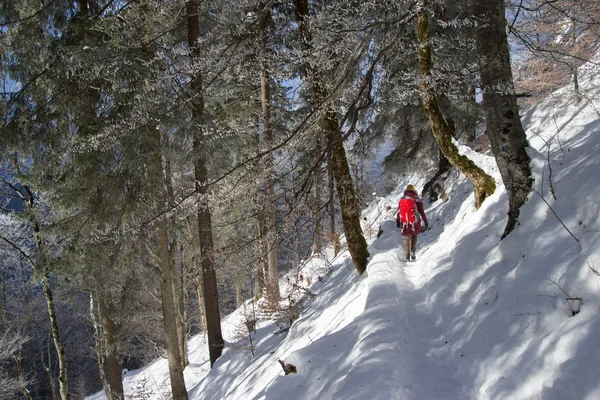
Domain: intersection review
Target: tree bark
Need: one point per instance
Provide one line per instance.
(169, 309)
(3, 320)
(182, 300)
(20, 375)
(318, 196)
(60, 350)
(178, 277)
(272, 280)
(209, 276)
(335, 238)
(110, 331)
(99, 347)
(483, 184)
(357, 244)
(574, 68)
(260, 266)
(48, 369)
(239, 300)
(198, 284)
(41, 264)
(504, 128)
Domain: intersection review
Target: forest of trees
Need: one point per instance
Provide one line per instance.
(162, 161)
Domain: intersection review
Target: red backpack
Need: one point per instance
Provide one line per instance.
(407, 208)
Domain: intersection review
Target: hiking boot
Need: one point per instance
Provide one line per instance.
(413, 257)
(407, 257)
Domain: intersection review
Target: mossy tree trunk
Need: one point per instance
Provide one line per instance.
(483, 184)
(357, 244)
(504, 128)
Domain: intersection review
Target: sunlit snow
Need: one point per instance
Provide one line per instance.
(472, 318)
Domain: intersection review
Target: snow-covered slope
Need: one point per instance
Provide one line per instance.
(473, 318)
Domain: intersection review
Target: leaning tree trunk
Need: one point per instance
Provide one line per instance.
(357, 245)
(272, 279)
(483, 184)
(209, 275)
(504, 129)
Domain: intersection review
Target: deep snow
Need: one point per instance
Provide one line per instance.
(472, 318)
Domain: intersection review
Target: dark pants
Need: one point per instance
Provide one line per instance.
(410, 244)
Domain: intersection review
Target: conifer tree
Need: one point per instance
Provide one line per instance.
(209, 278)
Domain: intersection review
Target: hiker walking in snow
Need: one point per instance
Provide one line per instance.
(410, 213)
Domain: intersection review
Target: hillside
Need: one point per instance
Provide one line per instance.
(473, 318)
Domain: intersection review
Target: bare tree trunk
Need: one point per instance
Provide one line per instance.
(99, 347)
(574, 67)
(260, 267)
(272, 281)
(110, 331)
(41, 264)
(20, 374)
(195, 264)
(483, 184)
(178, 388)
(209, 275)
(504, 128)
(335, 237)
(36, 382)
(357, 245)
(48, 369)
(60, 350)
(169, 310)
(318, 195)
(239, 300)
(3, 319)
(181, 301)
(178, 277)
